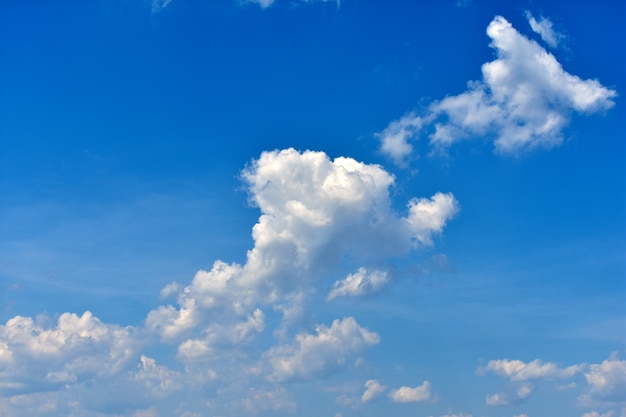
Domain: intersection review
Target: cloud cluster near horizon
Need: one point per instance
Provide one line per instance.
(524, 100)
(606, 381)
(316, 213)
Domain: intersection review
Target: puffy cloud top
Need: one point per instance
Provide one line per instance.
(523, 101)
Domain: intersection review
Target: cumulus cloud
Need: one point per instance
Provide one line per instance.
(318, 216)
(218, 336)
(522, 392)
(524, 101)
(158, 380)
(314, 212)
(395, 138)
(373, 389)
(320, 354)
(517, 370)
(362, 282)
(35, 356)
(406, 394)
(606, 382)
(544, 28)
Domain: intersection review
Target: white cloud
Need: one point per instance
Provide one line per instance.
(517, 370)
(394, 139)
(429, 216)
(405, 394)
(319, 354)
(496, 399)
(314, 212)
(218, 336)
(36, 356)
(524, 101)
(544, 28)
(373, 389)
(521, 415)
(362, 282)
(524, 391)
(457, 415)
(170, 323)
(170, 289)
(317, 217)
(606, 382)
(597, 414)
(158, 380)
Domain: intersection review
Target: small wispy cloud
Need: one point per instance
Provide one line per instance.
(545, 28)
(159, 5)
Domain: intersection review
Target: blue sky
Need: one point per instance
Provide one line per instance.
(312, 208)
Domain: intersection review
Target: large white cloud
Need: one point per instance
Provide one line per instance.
(524, 100)
(318, 218)
(314, 212)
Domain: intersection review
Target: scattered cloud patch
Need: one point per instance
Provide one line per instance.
(406, 394)
(523, 102)
(524, 391)
(597, 414)
(320, 354)
(395, 138)
(606, 382)
(517, 370)
(36, 356)
(373, 389)
(496, 399)
(363, 282)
